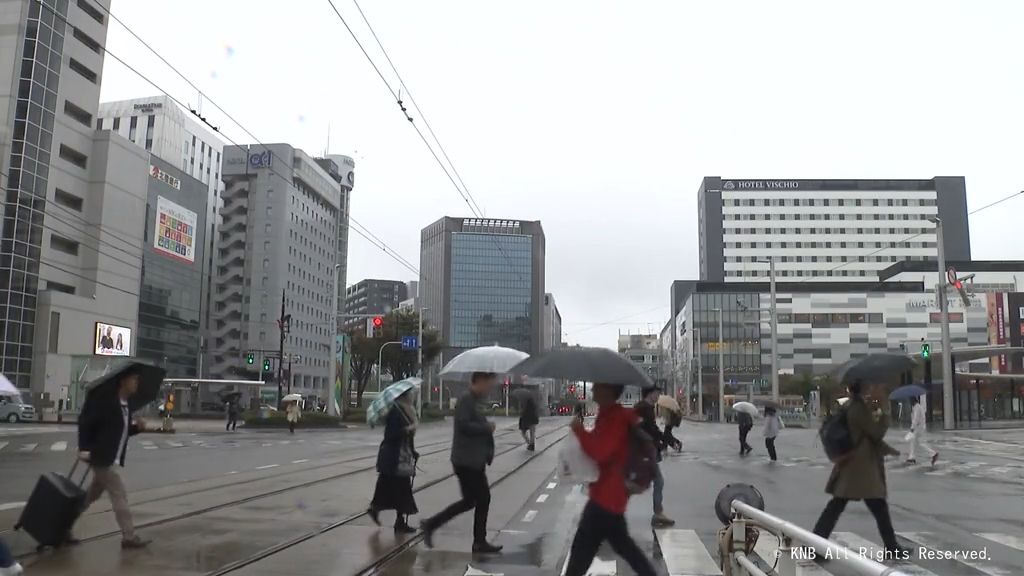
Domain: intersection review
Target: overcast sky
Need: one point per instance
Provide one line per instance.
(600, 118)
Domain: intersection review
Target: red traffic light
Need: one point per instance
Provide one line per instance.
(378, 321)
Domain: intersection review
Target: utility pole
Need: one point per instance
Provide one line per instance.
(280, 358)
(775, 335)
(419, 363)
(948, 417)
(700, 377)
(721, 368)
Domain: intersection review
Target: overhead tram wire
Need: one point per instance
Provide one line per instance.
(419, 110)
(387, 249)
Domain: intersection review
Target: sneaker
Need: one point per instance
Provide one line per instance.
(935, 458)
(12, 570)
(531, 447)
(661, 521)
(135, 543)
(374, 515)
(486, 548)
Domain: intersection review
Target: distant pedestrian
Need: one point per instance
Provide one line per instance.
(292, 414)
(8, 567)
(472, 453)
(528, 420)
(772, 426)
(918, 430)
(862, 475)
(645, 412)
(103, 430)
(604, 516)
(232, 409)
(396, 465)
(746, 423)
(673, 419)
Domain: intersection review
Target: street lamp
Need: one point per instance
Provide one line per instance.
(336, 408)
(419, 363)
(721, 368)
(380, 357)
(948, 418)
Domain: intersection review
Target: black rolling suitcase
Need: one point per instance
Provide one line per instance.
(53, 507)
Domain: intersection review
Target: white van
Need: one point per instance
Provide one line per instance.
(16, 408)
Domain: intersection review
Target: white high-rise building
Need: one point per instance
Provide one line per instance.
(825, 229)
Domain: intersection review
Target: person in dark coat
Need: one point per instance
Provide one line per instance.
(645, 412)
(746, 423)
(528, 420)
(862, 476)
(394, 474)
(232, 409)
(472, 453)
(104, 427)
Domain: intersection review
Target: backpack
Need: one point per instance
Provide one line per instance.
(836, 438)
(641, 462)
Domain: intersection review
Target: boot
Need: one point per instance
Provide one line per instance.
(486, 548)
(659, 520)
(402, 525)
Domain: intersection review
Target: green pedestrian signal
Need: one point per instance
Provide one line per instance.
(266, 365)
(926, 351)
(250, 358)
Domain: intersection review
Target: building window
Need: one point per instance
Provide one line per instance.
(117, 124)
(132, 128)
(58, 287)
(83, 70)
(67, 199)
(61, 244)
(73, 156)
(54, 334)
(78, 114)
(150, 123)
(99, 123)
(90, 10)
(86, 40)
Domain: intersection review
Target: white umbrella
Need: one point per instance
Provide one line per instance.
(492, 359)
(745, 407)
(292, 398)
(843, 401)
(6, 387)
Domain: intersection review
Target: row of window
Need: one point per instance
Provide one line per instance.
(829, 202)
(830, 217)
(816, 245)
(825, 231)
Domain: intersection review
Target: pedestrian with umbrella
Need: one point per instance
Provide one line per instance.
(745, 412)
(644, 410)
(673, 419)
(918, 427)
(292, 411)
(608, 445)
(529, 417)
(104, 426)
(397, 456)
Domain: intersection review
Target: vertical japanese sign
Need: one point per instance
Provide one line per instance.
(1001, 329)
(175, 230)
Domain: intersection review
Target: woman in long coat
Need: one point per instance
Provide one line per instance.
(862, 475)
(396, 461)
(528, 420)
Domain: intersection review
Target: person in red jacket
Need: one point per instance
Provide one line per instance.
(604, 515)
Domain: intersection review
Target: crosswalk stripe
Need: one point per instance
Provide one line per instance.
(175, 444)
(27, 447)
(929, 540)
(875, 552)
(598, 567)
(1004, 539)
(59, 446)
(684, 553)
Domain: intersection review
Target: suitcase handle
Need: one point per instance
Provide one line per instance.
(85, 474)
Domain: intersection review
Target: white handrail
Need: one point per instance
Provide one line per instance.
(840, 554)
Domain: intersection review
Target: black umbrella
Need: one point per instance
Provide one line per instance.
(874, 368)
(583, 364)
(150, 379)
(230, 396)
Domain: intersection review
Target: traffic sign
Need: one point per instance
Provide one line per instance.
(409, 343)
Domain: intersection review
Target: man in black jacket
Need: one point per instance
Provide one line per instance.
(645, 412)
(745, 423)
(103, 430)
(472, 453)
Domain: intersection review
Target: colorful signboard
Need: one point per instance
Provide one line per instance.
(112, 340)
(164, 177)
(175, 231)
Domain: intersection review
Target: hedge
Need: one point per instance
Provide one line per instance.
(280, 420)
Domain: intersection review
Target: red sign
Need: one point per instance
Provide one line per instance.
(1001, 331)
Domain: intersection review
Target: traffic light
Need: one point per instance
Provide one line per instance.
(374, 326)
(266, 364)
(250, 358)
(926, 350)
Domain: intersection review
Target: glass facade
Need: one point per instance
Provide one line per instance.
(741, 338)
(490, 296)
(25, 196)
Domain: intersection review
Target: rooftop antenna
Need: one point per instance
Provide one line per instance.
(328, 148)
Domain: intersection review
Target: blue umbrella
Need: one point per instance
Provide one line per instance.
(382, 404)
(910, 391)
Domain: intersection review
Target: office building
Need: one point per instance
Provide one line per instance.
(825, 230)
(172, 304)
(645, 351)
(372, 297)
(345, 176)
(158, 125)
(72, 235)
(282, 220)
(482, 282)
(552, 323)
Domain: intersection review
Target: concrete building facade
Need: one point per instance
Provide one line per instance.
(825, 230)
(372, 297)
(482, 281)
(552, 323)
(282, 221)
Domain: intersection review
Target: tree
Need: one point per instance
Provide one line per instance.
(362, 360)
(401, 364)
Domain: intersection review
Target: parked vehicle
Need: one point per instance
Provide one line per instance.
(16, 408)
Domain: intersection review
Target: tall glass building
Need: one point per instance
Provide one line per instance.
(482, 282)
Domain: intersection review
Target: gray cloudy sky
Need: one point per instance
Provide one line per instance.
(600, 118)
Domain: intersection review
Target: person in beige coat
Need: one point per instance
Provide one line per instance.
(862, 476)
(293, 412)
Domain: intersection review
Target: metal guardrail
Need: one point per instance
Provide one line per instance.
(788, 533)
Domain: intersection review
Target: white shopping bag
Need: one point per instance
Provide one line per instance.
(909, 437)
(574, 465)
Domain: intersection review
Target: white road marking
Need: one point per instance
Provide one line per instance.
(1004, 539)
(59, 446)
(928, 540)
(232, 472)
(27, 447)
(542, 498)
(267, 466)
(12, 505)
(470, 571)
(285, 442)
(597, 568)
(300, 461)
(175, 444)
(266, 444)
(551, 485)
(530, 515)
(684, 553)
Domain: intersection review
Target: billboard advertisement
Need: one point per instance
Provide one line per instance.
(175, 231)
(112, 340)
